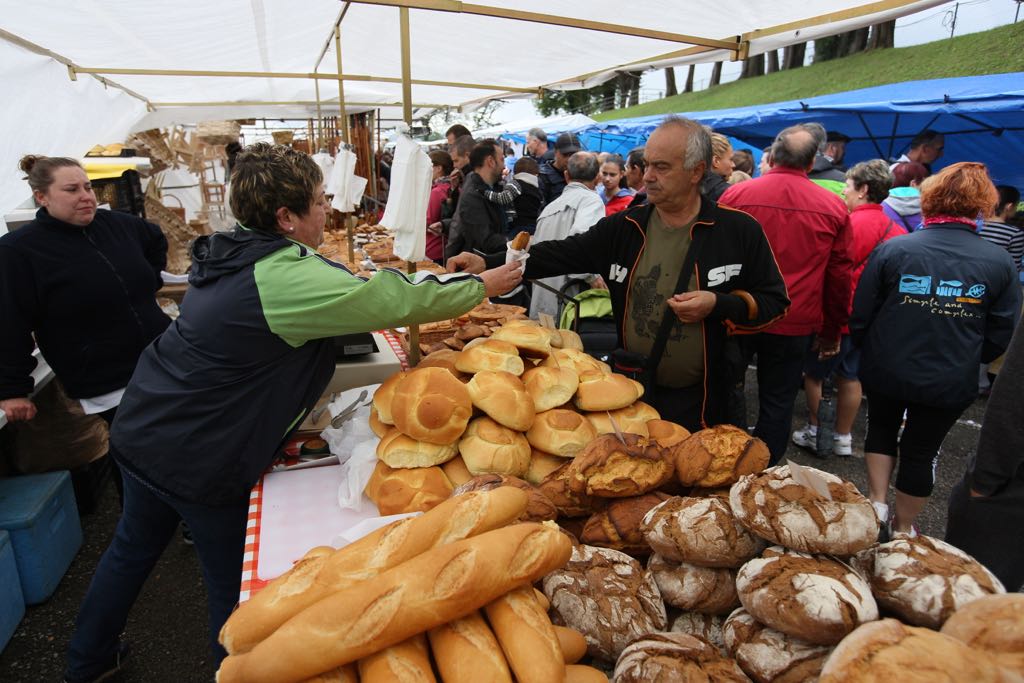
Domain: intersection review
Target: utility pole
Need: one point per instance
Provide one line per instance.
(1017, 11)
(952, 25)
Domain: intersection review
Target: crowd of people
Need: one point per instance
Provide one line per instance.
(901, 284)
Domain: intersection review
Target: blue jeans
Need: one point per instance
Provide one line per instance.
(148, 522)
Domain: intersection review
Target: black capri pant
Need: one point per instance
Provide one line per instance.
(918, 447)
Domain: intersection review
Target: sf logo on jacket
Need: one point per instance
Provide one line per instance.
(722, 274)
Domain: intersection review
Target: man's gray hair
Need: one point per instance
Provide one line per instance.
(794, 153)
(583, 166)
(818, 131)
(539, 134)
(698, 141)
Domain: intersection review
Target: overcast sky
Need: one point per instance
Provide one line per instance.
(913, 29)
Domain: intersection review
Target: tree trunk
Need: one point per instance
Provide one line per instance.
(882, 35)
(716, 74)
(858, 42)
(670, 82)
(773, 62)
(689, 78)
(622, 89)
(634, 87)
(753, 66)
(793, 56)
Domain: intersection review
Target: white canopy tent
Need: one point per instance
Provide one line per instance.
(80, 73)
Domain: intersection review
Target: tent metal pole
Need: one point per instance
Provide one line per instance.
(307, 103)
(403, 20)
(202, 73)
(72, 67)
(538, 18)
(327, 43)
(319, 118)
(341, 86)
(829, 18)
(871, 135)
(892, 135)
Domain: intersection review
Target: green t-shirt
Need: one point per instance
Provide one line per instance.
(654, 282)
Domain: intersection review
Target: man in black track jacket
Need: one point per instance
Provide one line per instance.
(735, 288)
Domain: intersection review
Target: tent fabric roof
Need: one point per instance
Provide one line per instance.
(484, 45)
(982, 118)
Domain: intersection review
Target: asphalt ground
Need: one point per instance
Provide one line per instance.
(167, 628)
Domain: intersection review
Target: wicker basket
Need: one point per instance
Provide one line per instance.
(218, 132)
(283, 137)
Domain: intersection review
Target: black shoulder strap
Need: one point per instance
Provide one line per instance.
(669, 318)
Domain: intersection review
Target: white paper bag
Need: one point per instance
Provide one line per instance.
(406, 210)
(355, 474)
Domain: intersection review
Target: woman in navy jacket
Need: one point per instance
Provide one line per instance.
(929, 308)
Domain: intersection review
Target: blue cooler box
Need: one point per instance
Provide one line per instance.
(12, 602)
(38, 511)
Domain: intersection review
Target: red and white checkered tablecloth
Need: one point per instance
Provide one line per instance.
(251, 581)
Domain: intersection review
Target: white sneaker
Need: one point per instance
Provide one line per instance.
(842, 445)
(807, 438)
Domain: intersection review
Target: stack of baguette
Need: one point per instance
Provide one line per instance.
(449, 591)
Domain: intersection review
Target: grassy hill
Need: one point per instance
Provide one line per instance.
(995, 51)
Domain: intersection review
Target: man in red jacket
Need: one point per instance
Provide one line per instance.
(809, 232)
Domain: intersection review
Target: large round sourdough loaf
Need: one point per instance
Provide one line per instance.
(618, 525)
(556, 487)
(887, 651)
(699, 589)
(719, 456)
(538, 509)
(701, 531)
(612, 468)
(770, 656)
(608, 597)
(706, 626)
(774, 506)
(668, 657)
(924, 580)
(995, 624)
(810, 597)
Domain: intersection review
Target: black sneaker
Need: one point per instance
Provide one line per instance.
(186, 534)
(113, 667)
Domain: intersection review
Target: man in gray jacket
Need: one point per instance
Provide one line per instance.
(572, 213)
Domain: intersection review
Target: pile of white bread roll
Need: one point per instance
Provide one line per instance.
(444, 596)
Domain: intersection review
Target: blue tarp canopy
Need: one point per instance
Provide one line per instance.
(982, 118)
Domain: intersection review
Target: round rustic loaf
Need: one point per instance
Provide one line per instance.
(924, 580)
(632, 419)
(431, 405)
(538, 507)
(489, 354)
(710, 590)
(606, 391)
(570, 340)
(995, 624)
(397, 450)
(889, 651)
(490, 448)
(699, 531)
(719, 456)
(395, 491)
(669, 657)
(531, 340)
(444, 358)
(608, 597)
(667, 434)
(383, 396)
(503, 397)
(774, 506)
(550, 387)
(705, 626)
(770, 656)
(576, 359)
(618, 525)
(555, 487)
(810, 597)
(611, 468)
(560, 432)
